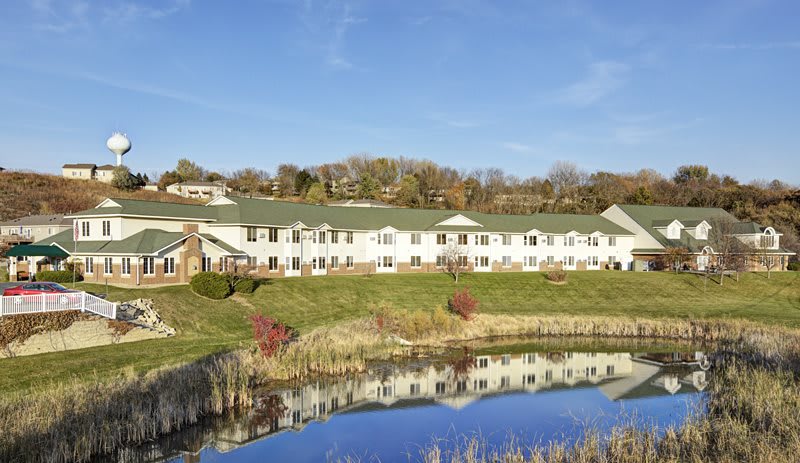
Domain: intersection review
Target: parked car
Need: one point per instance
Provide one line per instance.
(39, 287)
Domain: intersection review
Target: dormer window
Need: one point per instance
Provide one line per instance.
(702, 232)
(674, 231)
(768, 239)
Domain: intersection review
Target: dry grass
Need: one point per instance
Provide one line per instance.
(757, 400)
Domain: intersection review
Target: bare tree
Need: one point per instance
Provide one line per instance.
(675, 257)
(765, 252)
(566, 180)
(456, 258)
(727, 247)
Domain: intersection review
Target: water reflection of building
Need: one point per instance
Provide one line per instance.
(456, 383)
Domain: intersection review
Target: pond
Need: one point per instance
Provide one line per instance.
(392, 411)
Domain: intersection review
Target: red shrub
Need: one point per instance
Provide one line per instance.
(464, 304)
(269, 333)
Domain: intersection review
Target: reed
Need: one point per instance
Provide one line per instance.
(79, 419)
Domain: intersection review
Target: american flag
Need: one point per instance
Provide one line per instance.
(76, 230)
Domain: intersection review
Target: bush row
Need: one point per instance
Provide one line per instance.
(58, 276)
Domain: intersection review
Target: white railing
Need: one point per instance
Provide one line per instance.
(41, 303)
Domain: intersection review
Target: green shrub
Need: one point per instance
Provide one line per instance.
(246, 286)
(557, 276)
(211, 285)
(58, 276)
(3, 275)
(793, 266)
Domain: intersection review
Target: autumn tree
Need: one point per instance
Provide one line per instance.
(317, 194)
(248, 181)
(675, 257)
(168, 178)
(189, 171)
(286, 179)
(368, 187)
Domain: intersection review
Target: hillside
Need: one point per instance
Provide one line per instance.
(24, 193)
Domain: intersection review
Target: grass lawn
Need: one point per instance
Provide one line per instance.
(205, 326)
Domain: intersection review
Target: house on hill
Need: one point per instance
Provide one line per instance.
(78, 171)
(698, 230)
(198, 190)
(104, 173)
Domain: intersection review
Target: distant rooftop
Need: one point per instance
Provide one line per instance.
(79, 166)
(33, 220)
(106, 167)
(359, 203)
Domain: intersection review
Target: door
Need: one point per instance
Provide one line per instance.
(702, 262)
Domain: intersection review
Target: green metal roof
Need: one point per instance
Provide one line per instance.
(151, 209)
(261, 212)
(146, 242)
(651, 217)
(283, 213)
(35, 250)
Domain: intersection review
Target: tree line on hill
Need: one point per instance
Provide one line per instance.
(566, 188)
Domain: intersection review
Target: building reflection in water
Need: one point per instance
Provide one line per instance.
(456, 383)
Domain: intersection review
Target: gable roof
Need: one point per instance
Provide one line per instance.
(106, 167)
(652, 217)
(79, 166)
(148, 241)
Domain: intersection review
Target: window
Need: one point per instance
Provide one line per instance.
(461, 386)
(482, 385)
(612, 261)
(272, 235)
(569, 260)
(462, 239)
(295, 236)
(481, 240)
(169, 265)
(441, 387)
(551, 261)
(206, 264)
(272, 262)
(768, 241)
(505, 359)
(334, 262)
(441, 238)
(388, 261)
(252, 234)
(148, 266)
(314, 263)
(530, 261)
(594, 241)
(414, 389)
(569, 241)
(388, 238)
(252, 261)
(593, 261)
(529, 240)
(322, 263)
(106, 228)
(416, 261)
(349, 261)
(334, 237)
(223, 264)
(548, 375)
(481, 261)
(506, 240)
(126, 266)
(506, 261)
(90, 265)
(551, 240)
(295, 263)
(108, 268)
(416, 238)
(323, 237)
(441, 261)
(348, 239)
(609, 370)
(530, 379)
(387, 391)
(612, 240)
(85, 228)
(483, 362)
(505, 382)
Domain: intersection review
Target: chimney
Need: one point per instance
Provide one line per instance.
(190, 228)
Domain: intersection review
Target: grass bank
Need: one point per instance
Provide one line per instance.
(207, 327)
(77, 420)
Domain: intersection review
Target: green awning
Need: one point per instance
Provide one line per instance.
(36, 251)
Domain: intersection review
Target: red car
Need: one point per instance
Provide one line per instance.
(38, 287)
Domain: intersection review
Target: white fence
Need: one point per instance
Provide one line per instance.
(40, 303)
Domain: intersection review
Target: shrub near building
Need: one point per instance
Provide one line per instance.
(211, 285)
(58, 276)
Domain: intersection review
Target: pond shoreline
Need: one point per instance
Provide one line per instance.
(77, 421)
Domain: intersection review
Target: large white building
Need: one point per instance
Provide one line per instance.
(141, 242)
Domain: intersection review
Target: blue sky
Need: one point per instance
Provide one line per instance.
(469, 83)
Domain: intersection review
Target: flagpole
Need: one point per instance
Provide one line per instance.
(75, 250)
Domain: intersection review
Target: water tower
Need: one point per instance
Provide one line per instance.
(118, 144)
